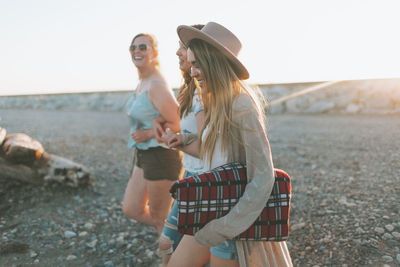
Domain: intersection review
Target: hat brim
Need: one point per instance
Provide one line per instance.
(188, 33)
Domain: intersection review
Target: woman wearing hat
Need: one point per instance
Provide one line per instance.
(147, 198)
(234, 131)
(192, 118)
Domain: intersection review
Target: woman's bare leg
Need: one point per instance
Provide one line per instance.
(159, 201)
(135, 199)
(220, 262)
(189, 253)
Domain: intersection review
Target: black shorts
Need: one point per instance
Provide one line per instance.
(159, 163)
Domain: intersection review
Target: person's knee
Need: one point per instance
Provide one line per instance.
(158, 214)
(165, 244)
(130, 211)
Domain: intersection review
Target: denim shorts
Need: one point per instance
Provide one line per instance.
(171, 231)
(226, 250)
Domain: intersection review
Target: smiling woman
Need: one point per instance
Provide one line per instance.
(140, 47)
(147, 198)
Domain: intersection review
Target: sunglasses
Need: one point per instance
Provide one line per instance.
(142, 47)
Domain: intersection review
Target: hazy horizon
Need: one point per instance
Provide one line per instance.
(74, 46)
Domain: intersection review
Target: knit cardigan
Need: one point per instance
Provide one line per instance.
(249, 146)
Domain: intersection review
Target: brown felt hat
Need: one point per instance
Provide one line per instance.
(219, 37)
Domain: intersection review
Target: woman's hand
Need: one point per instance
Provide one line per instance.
(173, 140)
(140, 136)
(158, 129)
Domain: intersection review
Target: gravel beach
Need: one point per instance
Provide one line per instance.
(345, 208)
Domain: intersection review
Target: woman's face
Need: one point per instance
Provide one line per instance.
(182, 55)
(195, 70)
(141, 51)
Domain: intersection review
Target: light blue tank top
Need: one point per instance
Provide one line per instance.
(141, 113)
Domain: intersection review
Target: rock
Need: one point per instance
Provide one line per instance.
(387, 236)
(88, 226)
(108, 264)
(83, 234)
(379, 230)
(69, 234)
(33, 254)
(149, 253)
(71, 257)
(121, 240)
(389, 227)
(387, 258)
(326, 239)
(92, 244)
(396, 235)
(297, 226)
(344, 201)
(398, 258)
(359, 230)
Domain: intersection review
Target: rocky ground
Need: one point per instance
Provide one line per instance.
(345, 208)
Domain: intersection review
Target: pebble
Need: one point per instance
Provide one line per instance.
(88, 226)
(396, 235)
(33, 254)
(387, 236)
(83, 234)
(149, 253)
(71, 257)
(359, 230)
(387, 258)
(69, 234)
(349, 239)
(92, 244)
(108, 264)
(297, 226)
(389, 227)
(379, 230)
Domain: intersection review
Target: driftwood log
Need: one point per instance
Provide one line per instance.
(24, 159)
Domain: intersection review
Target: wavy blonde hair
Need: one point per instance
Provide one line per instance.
(223, 86)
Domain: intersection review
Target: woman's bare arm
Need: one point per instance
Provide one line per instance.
(176, 141)
(165, 102)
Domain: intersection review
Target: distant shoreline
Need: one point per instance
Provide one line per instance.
(380, 96)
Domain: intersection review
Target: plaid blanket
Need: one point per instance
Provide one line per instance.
(210, 195)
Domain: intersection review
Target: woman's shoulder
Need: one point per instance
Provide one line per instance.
(157, 86)
(243, 102)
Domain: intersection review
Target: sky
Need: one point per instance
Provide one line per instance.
(54, 46)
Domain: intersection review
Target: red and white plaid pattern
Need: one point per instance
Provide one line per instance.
(210, 195)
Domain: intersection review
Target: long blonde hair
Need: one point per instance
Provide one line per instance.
(223, 86)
